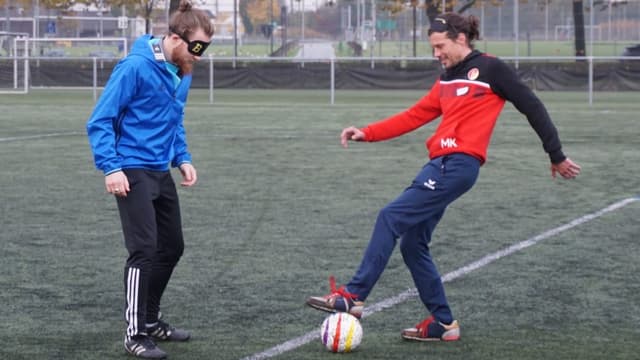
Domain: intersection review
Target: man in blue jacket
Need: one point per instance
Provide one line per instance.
(136, 133)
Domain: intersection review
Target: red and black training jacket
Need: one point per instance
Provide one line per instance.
(470, 96)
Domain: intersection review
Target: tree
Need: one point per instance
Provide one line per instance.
(605, 4)
(145, 7)
(327, 19)
(258, 12)
(13, 4)
(434, 7)
(173, 5)
(397, 6)
(27, 5)
(246, 20)
(49, 4)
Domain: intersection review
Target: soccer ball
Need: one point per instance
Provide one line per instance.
(341, 332)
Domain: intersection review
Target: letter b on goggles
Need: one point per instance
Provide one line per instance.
(195, 47)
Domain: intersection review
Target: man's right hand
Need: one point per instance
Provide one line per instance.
(117, 184)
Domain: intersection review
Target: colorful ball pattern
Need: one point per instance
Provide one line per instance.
(341, 332)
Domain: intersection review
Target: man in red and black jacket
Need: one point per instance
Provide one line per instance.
(469, 96)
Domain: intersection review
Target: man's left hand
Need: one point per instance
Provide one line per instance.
(189, 175)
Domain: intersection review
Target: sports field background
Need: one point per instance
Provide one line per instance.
(280, 206)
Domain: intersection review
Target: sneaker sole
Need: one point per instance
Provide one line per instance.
(158, 340)
(331, 310)
(321, 308)
(417, 338)
(133, 353)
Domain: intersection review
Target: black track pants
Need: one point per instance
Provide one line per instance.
(151, 223)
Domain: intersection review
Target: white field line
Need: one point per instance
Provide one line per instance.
(42, 136)
(238, 135)
(409, 293)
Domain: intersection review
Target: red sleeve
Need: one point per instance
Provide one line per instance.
(422, 112)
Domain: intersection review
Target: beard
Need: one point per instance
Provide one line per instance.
(185, 64)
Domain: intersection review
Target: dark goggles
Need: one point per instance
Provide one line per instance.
(195, 47)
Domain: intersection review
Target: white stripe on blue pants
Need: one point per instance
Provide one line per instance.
(413, 216)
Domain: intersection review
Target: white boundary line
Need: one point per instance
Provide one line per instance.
(484, 261)
(293, 135)
(31, 137)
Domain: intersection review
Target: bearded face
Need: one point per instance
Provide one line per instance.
(184, 61)
(189, 50)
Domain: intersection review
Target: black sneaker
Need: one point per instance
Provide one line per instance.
(162, 331)
(143, 347)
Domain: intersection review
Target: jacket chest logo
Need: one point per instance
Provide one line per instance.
(473, 74)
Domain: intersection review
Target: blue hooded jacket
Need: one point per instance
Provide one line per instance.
(137, 122)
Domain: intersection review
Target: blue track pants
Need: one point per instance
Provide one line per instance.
(412, 217)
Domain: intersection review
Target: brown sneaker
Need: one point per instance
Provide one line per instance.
(432, 330)
(339, 300)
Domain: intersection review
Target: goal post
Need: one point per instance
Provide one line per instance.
(566, 32)
(22, 52)
(14, 73)
(101, 47)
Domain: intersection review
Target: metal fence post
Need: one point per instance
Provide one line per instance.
(211, 79)
(333, 80)
(95, 79)
(590, 60)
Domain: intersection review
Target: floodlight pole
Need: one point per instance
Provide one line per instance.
(482, 20)
(302, 26)
(166, 11)
(271, 25)
(123, 9)
(414, 13)
(609, 15)
(101, 23)
(7, 7)
(373, 22)
(235, 30)
(500, 22)
(591, 27)
(546, 20)
(36, 16)
(516, 31)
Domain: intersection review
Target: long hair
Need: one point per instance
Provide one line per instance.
(455, 24)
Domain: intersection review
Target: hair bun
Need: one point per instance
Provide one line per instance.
(185, 5)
